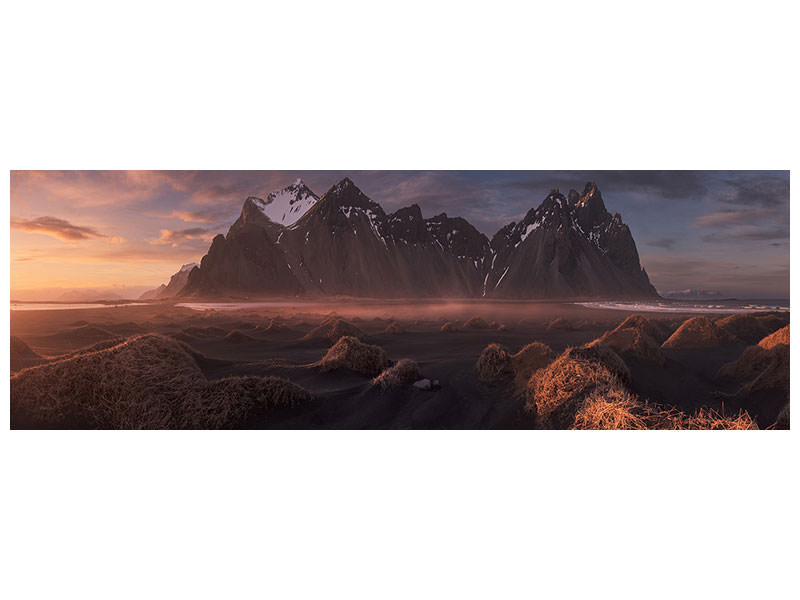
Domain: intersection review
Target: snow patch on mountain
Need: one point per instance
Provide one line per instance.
(286, 206)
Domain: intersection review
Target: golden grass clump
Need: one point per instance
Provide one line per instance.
(237, 337)
(146, 382)
(476, 323)
(776, 374)
(775, 339)
(753, 361)
(556, 393)
(771, 322)
(448, 327)
(698, 332)
(620, 409)
(276, 326)
(652, 328)
(766, 365)
(228, 402)
(617, 408)
(403, 372)
(707, 418)
(493, 364)
(393, 328)
(351, 353)
(528, 360)
(560, 324)
(744, 327)
(633, 342)
(332, 329)
(94, 348)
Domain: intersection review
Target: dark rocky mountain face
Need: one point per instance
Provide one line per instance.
(176, 284)
(345, 244)
(567, 247)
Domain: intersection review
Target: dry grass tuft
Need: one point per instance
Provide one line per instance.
(752, 361)
(698, 332)
(585, 388)
(707, 418)
(632, 342)
(276, 326)
(772, 322)
(403, 372)
(766, 365)
(393, 328)
(528, 360)
(476, 323)
(560, 324)
(556, 393)
(146, 382)
(619, 409)
(493, 364)
(332, 329)
(779, 337)
(351, 353)
(94, 348)
(237, 337)
(604, 355)
(652, 328)
(448, 327)
(228, 402)
(744, 327)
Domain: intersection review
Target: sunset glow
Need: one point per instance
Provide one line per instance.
(130, 230)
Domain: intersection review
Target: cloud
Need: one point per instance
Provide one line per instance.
(666, 243)
(204, 215)
(673, 185)
(768, 189)
(93, 188)
(729, 277)
(58, 228)
(727, 218)
(748, 234)
(174, 238)
(760, 202)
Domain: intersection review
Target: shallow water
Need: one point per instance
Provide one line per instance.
(42, 306)
(720, 306)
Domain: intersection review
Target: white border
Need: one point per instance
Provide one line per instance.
(613, 85)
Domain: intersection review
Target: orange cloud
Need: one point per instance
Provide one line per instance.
(58, 228)
(175, 237)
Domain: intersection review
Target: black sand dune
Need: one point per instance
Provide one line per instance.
(292, 344)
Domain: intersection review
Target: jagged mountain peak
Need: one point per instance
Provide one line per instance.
(566, 247)
(343, 185)
(285, 206)
(407, 213)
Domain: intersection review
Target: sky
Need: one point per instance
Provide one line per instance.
(128, 231)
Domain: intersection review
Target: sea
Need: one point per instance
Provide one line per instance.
(730, 305)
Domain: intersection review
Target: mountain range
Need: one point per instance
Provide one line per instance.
(294, 243)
